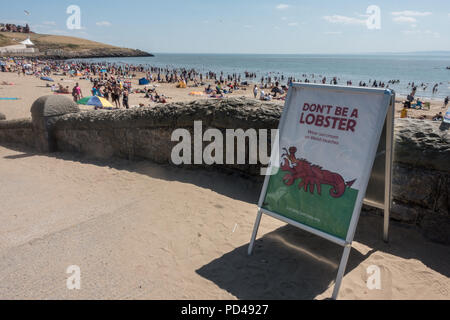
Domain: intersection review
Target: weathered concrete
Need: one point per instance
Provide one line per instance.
(2, 116)
(146, 133)
(18, 131)
(422, 143)
(45, 111)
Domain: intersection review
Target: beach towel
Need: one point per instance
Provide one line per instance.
(47, 79)
(143, 81)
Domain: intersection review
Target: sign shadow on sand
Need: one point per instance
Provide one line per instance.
(286, 264)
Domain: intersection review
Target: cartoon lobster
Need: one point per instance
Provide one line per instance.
(312, 175)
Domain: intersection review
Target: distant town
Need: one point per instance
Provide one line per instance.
(8, 27)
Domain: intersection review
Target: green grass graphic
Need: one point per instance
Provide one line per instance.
(321, 212)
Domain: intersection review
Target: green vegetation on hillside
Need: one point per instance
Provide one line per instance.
(67, 46)
(5, 41)
(46, 42)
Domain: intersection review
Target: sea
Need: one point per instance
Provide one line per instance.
(421, 68)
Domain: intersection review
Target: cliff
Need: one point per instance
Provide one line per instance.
(65, 47)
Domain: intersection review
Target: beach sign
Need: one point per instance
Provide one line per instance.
(321, 167)
(447, 116)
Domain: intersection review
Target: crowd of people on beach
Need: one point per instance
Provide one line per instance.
(112, 89)
(419, 104)
(112, 81)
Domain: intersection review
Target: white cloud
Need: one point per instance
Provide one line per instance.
(248, 26)
(284, 18)
(293, 24)
(282, 6)
(426, 33)
(333, 32)
(404, 19)
(104, 24)
(49, 23)
(362, 15)
(344, 20)
(409, 16)
(408, 13)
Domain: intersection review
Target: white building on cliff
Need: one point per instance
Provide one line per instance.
(25, 46)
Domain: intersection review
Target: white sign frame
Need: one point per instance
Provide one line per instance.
(389, 100)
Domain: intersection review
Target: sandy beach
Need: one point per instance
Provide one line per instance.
(107, 217)
(29, 88)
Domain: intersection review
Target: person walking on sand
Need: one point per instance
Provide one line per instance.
(263, 95)
(446, 102)
(116, 96)
(125, 99)
(106, 92)
(255, 91)
(76, 92)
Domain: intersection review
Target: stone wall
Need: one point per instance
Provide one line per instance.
(421, 181)
(17, 132)
(146, 133)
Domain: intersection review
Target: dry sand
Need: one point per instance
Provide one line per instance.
(143, 231)
(29, 88)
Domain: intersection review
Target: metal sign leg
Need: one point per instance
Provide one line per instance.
(386, 225)
(341, 270)
(255, 232)
(388, 172)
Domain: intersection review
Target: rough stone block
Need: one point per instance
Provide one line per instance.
(44, 112)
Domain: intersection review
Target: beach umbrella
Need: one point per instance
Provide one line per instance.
(96, 102)
(47, 79)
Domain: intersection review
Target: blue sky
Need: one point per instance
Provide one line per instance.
(245, 26)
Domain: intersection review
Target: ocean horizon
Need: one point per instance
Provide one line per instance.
(427, 68)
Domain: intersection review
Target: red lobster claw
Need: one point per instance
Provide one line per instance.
(288, 179)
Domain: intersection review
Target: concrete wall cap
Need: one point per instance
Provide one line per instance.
(51, 106)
